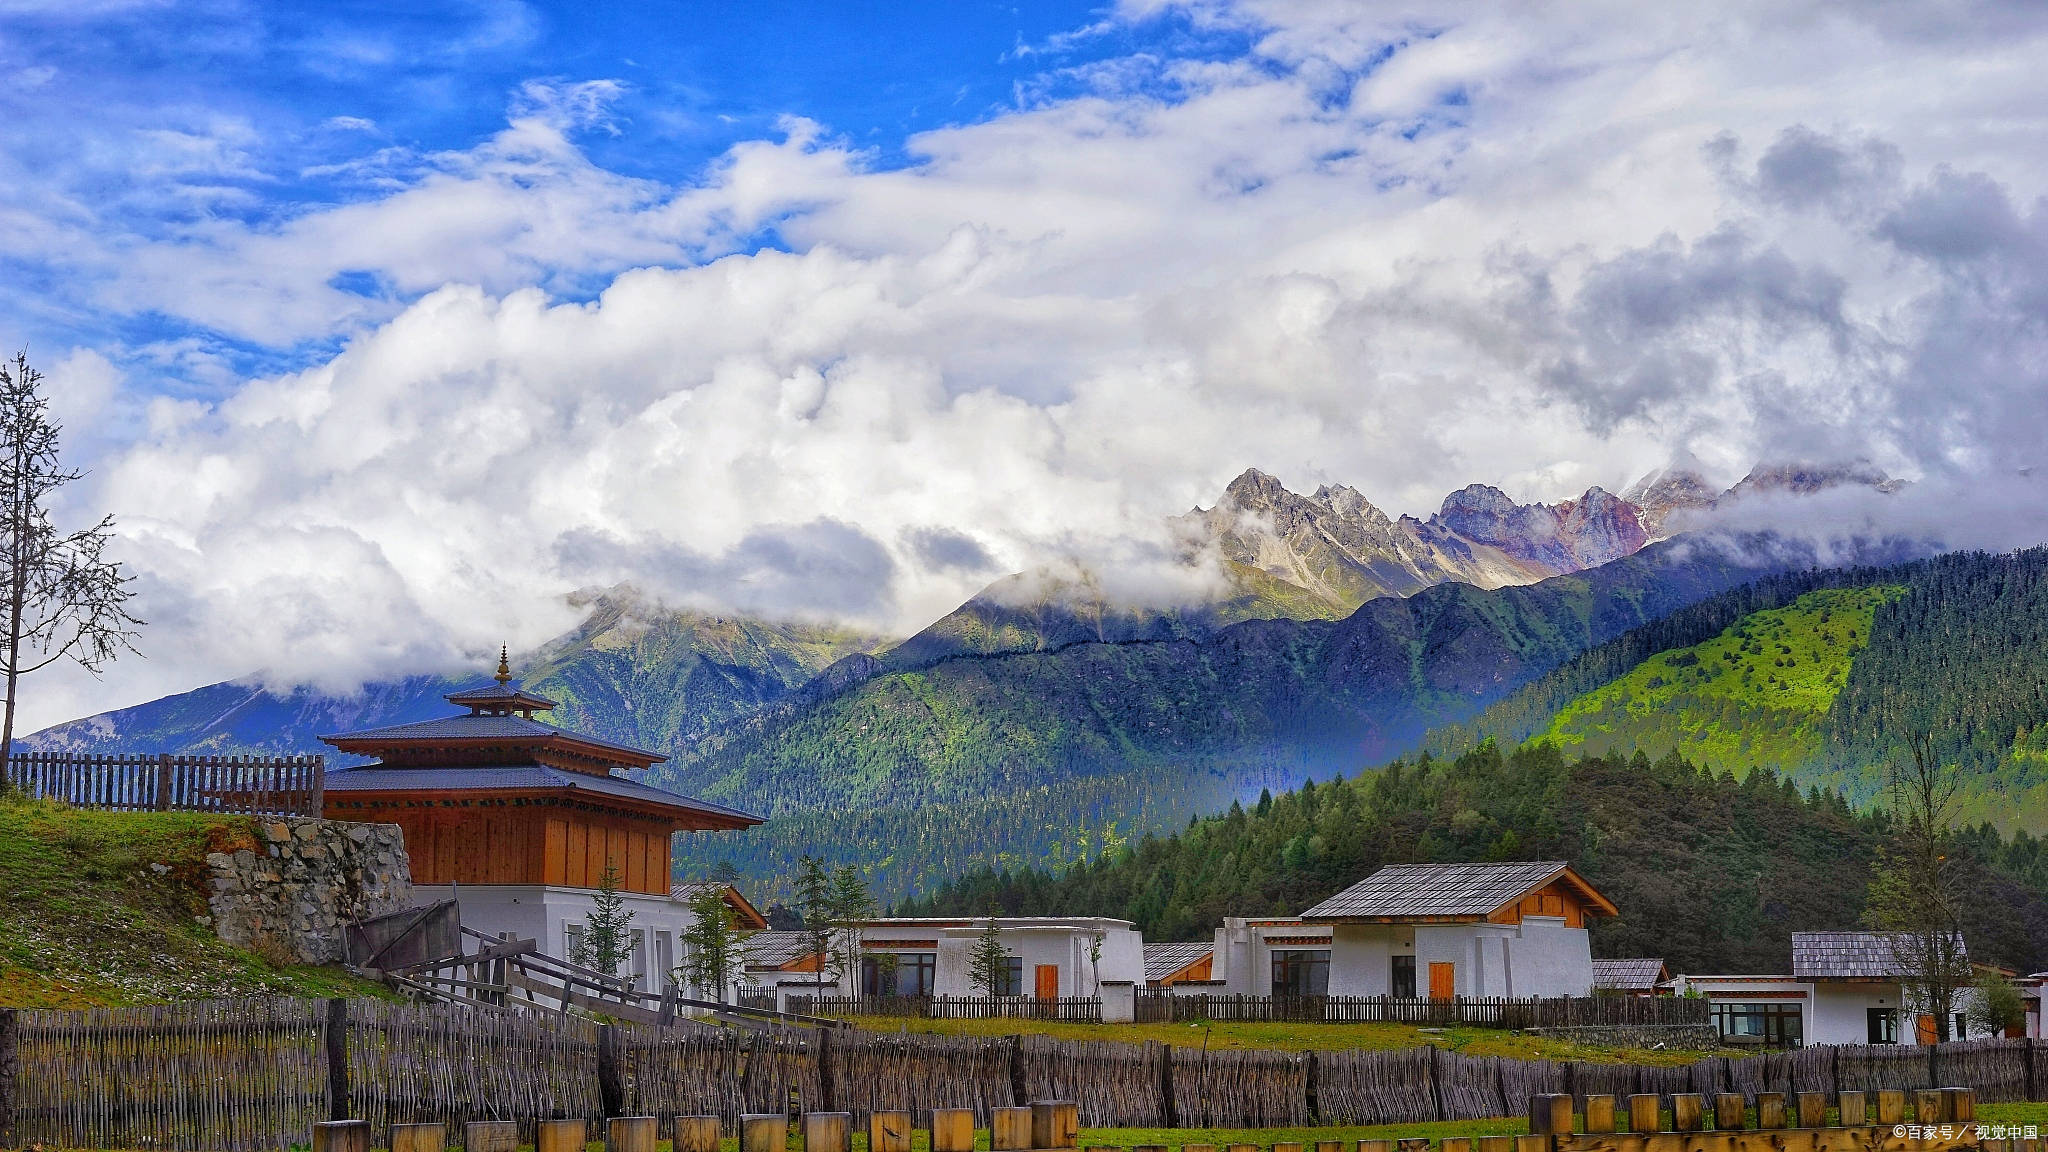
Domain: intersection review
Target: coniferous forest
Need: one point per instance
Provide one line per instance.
(1710, 873)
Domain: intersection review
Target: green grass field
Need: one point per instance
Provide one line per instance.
(1751, 697)
(1987, 1114)
(1294, 1037)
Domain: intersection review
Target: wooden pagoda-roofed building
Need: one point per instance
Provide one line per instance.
(523, 818)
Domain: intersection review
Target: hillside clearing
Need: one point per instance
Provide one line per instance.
(1752, 697)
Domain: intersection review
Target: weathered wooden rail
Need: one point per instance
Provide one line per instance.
(255, 1074)
(1478, 1011)
(1082, 1009)
(245, 785)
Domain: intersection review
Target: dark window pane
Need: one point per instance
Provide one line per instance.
(1404, 976)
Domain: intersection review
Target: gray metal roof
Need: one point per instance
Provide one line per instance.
(1166, 958)
(1418, 891)
(1848, 955)
(377, 778)
(774, 949)
(474, 727)
(1639, 974)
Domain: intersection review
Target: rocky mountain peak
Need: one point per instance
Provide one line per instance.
(1805, 479)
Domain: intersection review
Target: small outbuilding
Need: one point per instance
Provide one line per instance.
(1515, 928)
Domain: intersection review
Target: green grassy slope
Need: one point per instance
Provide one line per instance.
(1955, 646)
(105, 907)
(1753, 697)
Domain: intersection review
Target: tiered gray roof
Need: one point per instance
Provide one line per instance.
(1637, 974)
(501, 693)
(376, 778)
(484, 727)
(1417, 891)
(1848, 955)
(1165, 958)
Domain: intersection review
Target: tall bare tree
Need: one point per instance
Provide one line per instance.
(1917, 893)
(60, 597)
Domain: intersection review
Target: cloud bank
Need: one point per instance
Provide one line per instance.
(1400, 247)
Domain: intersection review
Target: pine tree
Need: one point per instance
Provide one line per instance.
(851, 903)
(988, 964)
(607, 934)
(814, 904)
(713, 946)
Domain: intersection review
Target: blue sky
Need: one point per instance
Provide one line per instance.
(256, 112)
(384, 328)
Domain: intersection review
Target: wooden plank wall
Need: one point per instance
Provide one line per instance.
(493, 842)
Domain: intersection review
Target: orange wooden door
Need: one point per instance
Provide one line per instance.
(1443, 980)
(1047, 978)
(1923, 1029)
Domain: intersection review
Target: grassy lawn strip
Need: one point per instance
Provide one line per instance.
(1299, 1038)
(1988, 1114)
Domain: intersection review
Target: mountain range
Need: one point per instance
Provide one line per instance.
(1041, 720)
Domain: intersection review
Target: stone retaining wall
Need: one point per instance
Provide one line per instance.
(291, 900)
(1687, 1037)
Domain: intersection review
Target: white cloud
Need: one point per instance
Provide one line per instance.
(1406, 249)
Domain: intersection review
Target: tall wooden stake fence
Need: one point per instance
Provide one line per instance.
(253, 1074)
(245, 785)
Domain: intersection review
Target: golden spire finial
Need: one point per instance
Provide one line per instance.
(504, 664)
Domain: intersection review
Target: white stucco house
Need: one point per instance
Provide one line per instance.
(1844, 988)
(1049, 957)
(1443, 930)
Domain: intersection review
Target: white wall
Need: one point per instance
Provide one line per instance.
(1840, 1012)
(545, 914)
(1360, 963)
(1066, 944)
(1549, 958)
(1540, 957)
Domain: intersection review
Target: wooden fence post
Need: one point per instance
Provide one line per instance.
(1163, 1055)
(337, 1058)
(952, 1130)
(1018, 1093)
(887, 1131)
(611, 1088)
(10, 1072)
(1310, 1066)
(342, 1136)
(828, 1097)
(1436, 1083)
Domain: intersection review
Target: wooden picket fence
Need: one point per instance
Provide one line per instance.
(1084, 1009)
(245, 785)
(1160, 1006)
(256, 1074)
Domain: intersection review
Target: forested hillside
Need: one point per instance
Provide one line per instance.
(1822, 674)
(1711, 873)
(1143, 734)
(1753, 697)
